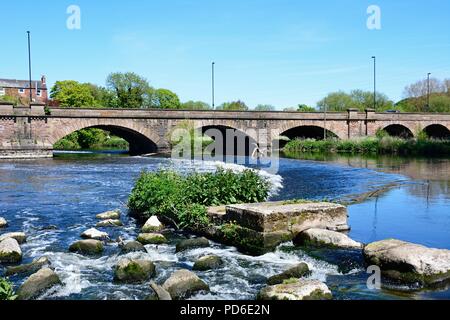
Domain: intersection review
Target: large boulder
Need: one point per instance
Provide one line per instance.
(297, 271)
(108, 223)
(296, 289)
(42, 280)
(191, 244)
(409, 262)
(130, 270)
(10, 251)
(151, 238)
(208, 263)
(152, 225)
(109, 215)
(183, 283)
(326, 238)
(161, 294)
(89, 247)
(132, 246)
(19, 236)
(29, 268)
(95, 234)
(3, 223)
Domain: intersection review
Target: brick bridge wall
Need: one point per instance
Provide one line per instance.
(29, 132)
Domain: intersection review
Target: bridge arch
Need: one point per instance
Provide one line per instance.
(140, 139)
(437, 131)
(303, 132)
(399, 130)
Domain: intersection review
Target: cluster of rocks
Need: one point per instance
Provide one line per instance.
(10, 251)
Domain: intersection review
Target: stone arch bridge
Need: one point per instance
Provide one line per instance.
(31, 132)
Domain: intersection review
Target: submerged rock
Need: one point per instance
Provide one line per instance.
(409, 262)
(10, 251)
(207, 263)
(89, 246)
(29, 268)
(297, 271)
(192, 243)
(152, 225)
(20, 237)
(3, 223)
(109, 223)
(132, 246)
(161, 294)
(151, 238)
(296, 289)
(94, 234)
(183, 283)
(109, 215)
(42, 280)
(326, 238)
(129, 270)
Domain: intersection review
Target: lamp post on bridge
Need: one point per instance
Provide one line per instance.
(212, 67)
(29, 68)
(428, 92)
(374, 82)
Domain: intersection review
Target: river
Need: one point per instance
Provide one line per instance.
(66, 192)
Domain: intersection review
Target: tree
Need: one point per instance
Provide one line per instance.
(103, 97)
(265, 107)
(336, 101)
(164, 99)
(70, 93)
(305, 108)
(358, 99)
(233, 106)
(130, 89)
(416, 96)
(195, 105)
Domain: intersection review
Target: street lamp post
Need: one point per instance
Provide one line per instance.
(29, 67)
(213, 84)
(428, 92)
(374, 82)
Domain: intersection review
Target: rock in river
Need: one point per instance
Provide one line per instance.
(94, 234)
(151, 238)
(109, 215)
(297, 271)
(90, 246)
(19, 236)
(109, 223)
(29, 268)
(208, 263)
(129, 270)
(161, 294)
(326, 238)
(183, 283)
(296, 289)
(38, 282)
(10, 251)
(152, 225)
(409, 262)
(3, 223)
(192, 243)
(131, 246)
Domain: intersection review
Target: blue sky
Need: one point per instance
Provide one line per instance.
(280, 52)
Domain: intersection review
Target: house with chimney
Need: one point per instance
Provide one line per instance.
(19, 90)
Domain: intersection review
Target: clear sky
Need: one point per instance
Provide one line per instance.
(280, 52)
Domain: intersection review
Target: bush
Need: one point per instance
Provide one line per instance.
(184, 198)
(6, 290)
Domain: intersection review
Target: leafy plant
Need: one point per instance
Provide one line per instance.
(6, 290)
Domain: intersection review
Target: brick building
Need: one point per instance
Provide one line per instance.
(20, 90)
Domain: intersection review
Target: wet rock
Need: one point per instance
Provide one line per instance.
(129, 270)
(208, 262)
(10, 251)
(29, 268)
(161, 294)
(298, 271)
(132, 246)
(3, 223)
(45, 228)
(38, 282)
(19, 236)
(109, 223)
(89, 247)
(296, 289)
(326, 238)
(183, 283)
(191, 244)
(152, 225)
(94, 234)
(408, 262)
(151, 238)
(109, 215)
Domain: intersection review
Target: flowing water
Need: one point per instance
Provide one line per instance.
(54, 200)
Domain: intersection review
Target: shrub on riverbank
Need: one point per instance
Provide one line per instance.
(6, 290)
(385, 145)
(90, 139)
(184, 198)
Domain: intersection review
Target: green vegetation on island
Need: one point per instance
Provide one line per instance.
(91, 139)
